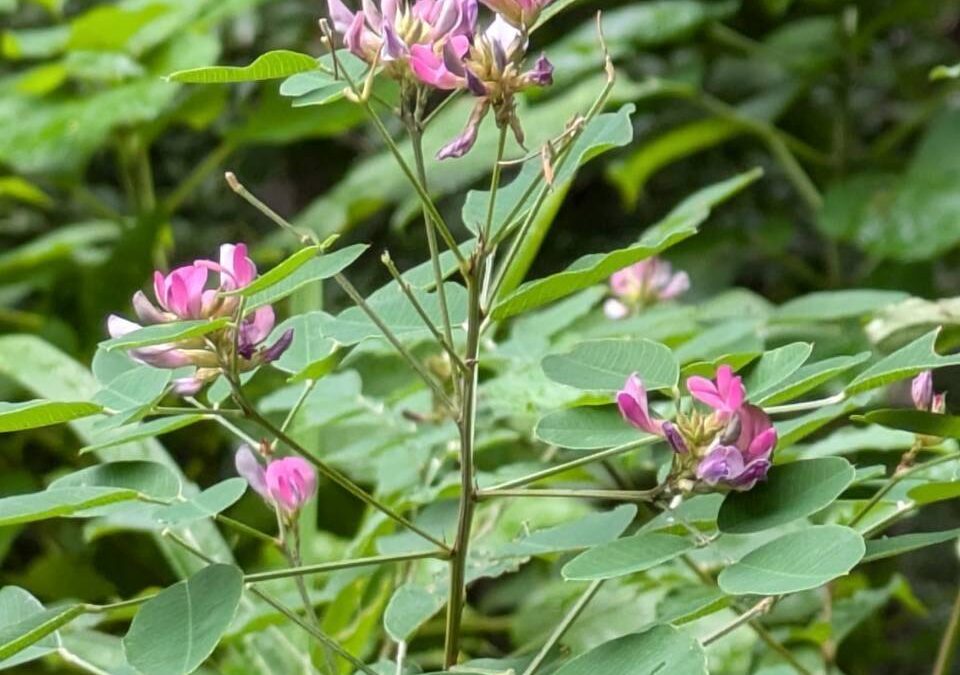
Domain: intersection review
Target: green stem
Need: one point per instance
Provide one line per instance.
(303, 237)
(308, 387)
(416, 140)
(893, 481)
(422, 313)
(805, 405)
(950, 641)
(612, 495)
(495, 182)
(567, 466)
(467, 423)
(418, 367)
(322, 568)
(564, 626)
(244, 528)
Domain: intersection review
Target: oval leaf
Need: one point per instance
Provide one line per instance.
(587, 428)
(40, 413)
(916, 421)
(906, 362)
(176, 631)
(162, 333)
(791, 491)
(661, 649)
(626, 556)
(797, 561)
(208, 503)
(605, 365)
(887, 547)
(59, 503)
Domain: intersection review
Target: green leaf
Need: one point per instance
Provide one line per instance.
(586, 428)
(836, 305)
(591, 530)
(21, 636)
(176, 631)
(353, 325)
(137, 387)
(311, 355)
(808, 378)
(59, 503)
(40, 413)
(679, 224)
(17, 606)
(662, 649)
(689, 603)
(110, 28)
(163, 333)
(605, 365)
(318, 268)
(626, 556)
(136, 432)
(208, 503)
(604, 133)
(791, 491)
(916, 421)
(318, 86)
(151, 479)
(270, 66)
(776, 366)
(795, 429)
(796, 561)
(278, 273)
(934, 492)
(906, 362)
(887, 547)
(410, 607)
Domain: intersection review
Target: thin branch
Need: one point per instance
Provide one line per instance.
(760, 608)
(951, 638)
(564, 626)
(611, 495)
(322, 568)
(566, 466)
(805, 405)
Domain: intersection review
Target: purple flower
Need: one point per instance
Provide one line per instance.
(388, 32)
(286, 484)
(520, 13)
(740, 465)
(632, 401)
(725, 395)
(186, 294)
(642, 284)
(489, 66)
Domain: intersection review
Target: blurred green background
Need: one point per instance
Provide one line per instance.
(107, 171)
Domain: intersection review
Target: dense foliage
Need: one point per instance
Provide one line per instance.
(460, 413)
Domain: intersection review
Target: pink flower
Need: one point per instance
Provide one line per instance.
(286, 484)
(489, 66)
(741, 464)
(632, 401)
(291, 482)
(521, 13)
(183, 294)
(725, 396)
(644, 283)
(922, 390)
(388, 32)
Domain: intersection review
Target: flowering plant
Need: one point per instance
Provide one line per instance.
(459, 404)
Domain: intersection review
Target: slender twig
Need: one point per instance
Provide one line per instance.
(495, 182)
(894, 480)
(805, 405)
(760, 608)
(292, 413)
(950, 641)
(467, 423)
(418, 367)
(573, 464)
(244, 528)
(612, 495)
(304, 236)
(322, 568)
(564, 626)
(224, 422)
(167, 410)
(421, 312)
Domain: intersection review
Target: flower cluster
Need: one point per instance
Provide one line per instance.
(438, 44)
(643, 284)
(184, 294)
(731, 446)
(285, 484)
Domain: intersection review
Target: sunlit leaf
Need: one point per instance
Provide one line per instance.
(40, 413)
(605, 365)
(270, 66)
